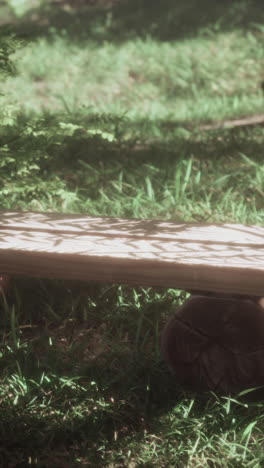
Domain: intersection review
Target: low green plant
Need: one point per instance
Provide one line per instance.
(8, 46)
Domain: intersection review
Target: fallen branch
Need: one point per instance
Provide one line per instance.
(253, 120)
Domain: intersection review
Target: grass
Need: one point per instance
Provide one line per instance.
(200, 79)
(83, 382)
(109, 123)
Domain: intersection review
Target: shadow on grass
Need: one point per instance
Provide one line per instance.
(121, 392)
(85, 156)
(122, 400)
(167, 20)
(62, 140)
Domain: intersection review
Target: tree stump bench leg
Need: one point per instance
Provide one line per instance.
(216, 343)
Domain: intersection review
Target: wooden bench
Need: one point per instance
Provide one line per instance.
(210, 343)
(227, 258)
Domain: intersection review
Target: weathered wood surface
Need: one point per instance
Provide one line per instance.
(223, 258)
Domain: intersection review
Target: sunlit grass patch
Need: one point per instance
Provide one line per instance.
(198, 79)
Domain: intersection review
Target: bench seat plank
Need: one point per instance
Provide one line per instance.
(222, 258)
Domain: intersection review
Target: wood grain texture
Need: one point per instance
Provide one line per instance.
(222, 258)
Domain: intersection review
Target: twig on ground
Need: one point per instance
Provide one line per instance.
(252, 120)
